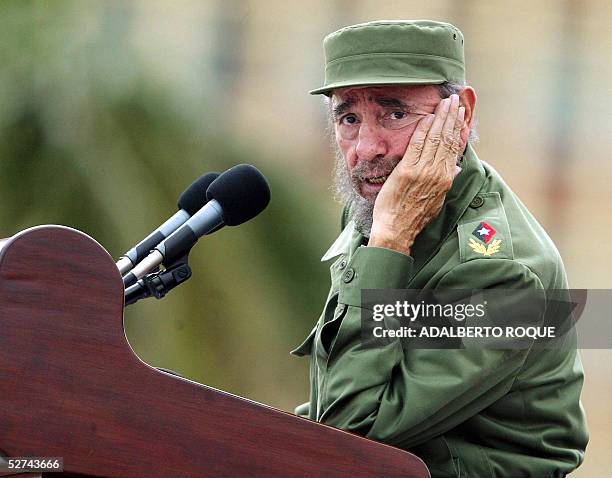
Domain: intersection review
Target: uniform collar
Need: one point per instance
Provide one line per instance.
(465, 186)
(344, 243)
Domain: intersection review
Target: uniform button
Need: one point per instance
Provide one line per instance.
(342, 264)
(477, 202)
(348, 275)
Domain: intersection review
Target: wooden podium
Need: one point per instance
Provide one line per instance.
(71, 387)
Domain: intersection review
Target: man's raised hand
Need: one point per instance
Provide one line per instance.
(414, 192)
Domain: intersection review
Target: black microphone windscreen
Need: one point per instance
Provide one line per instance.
(194, 197)
(242, 192)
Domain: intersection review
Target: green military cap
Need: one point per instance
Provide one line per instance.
(398, 52)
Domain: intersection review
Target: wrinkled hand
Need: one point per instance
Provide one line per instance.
(414, 192)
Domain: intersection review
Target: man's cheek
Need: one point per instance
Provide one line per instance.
(401, 142)
(348, 153)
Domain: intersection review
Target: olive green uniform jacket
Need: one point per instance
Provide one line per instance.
(474, 412)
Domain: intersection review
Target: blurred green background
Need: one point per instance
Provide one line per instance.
(109, 109)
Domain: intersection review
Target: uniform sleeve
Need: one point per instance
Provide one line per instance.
(405, 396)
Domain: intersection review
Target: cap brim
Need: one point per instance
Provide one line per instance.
(377, 81)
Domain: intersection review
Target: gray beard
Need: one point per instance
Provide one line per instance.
(346, 187)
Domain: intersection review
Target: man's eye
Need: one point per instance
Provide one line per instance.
(348, 119)
(398, 115)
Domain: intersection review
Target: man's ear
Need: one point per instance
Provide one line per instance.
(467, 99)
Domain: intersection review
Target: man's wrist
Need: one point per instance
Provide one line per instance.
(404, 245)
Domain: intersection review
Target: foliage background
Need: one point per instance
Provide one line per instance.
(109, 109)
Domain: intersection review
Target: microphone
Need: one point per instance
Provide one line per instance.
(189, 202)
(236, 196)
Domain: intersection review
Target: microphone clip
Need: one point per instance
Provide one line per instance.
(159, 283)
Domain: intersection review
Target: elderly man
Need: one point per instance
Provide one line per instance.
(423, 212)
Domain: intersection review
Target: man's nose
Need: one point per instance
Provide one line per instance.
(371, 142)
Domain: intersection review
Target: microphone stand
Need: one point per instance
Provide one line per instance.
(159, 283)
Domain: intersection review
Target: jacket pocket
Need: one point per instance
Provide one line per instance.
(441, 461)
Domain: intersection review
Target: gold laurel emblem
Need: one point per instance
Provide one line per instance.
(479, 248)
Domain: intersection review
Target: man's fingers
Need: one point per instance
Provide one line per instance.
(447, 151)
(434, 135)
(417, 141)
(459, 122)
(448, 130)
(435, 141)
(455, 147)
